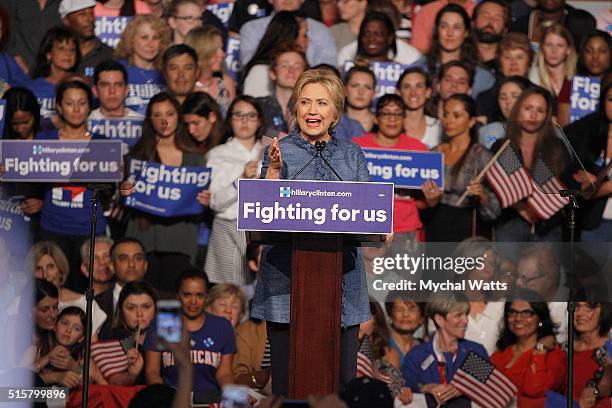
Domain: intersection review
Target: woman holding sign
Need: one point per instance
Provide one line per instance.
(171, 243)
(66, 211)
(319, 100)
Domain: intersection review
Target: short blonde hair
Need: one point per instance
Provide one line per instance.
(330, 81)
(444, 303)
(224, 290)
(42, 248)
(570, 61)
(201, 39)
(125, 48)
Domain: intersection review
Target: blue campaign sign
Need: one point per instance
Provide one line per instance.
(2, 115)
(15, 226)
(386, 73)
(584, 96)
(223, 11)
(128, 130)
(109, 29)
(58, 161)
(166, 191)
(406, 169)
(232, 57)
(315, 206)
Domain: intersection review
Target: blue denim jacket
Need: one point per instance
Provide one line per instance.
(271, 301)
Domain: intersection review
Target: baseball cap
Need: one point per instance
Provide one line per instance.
(70, 6)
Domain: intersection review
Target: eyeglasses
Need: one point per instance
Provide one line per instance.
(390, 115)
(525, 314)
(527, 280)
(190, 19)
(250, 116)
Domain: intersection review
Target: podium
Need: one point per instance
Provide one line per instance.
(316, 293)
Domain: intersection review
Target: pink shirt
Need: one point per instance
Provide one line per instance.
(406, 215)
(424, 20)
(102, 11)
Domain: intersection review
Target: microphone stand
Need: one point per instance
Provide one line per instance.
(319, 146)
(572, 194)
(89, 293)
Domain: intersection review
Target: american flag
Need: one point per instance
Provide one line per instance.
(545, 199)
(365, 367)
(508, 178)
(478, 380)
(110, 356)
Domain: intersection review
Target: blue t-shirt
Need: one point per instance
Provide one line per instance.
(45, 94)
(212, 341)
(12, 73)
(67, 208)
(143, 85)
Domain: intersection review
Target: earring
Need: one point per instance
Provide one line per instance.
(539, 324)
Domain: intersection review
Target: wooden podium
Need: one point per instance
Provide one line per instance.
(316, 293)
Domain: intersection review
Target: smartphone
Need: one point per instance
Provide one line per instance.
(235, 396)
(168, 321)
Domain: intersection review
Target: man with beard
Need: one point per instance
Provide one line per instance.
(490, 20)
(547, 12)
(78, 16)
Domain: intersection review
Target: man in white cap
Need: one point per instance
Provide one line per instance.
(78, 16)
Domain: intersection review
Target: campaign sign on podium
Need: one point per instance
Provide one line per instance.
(404, 168)
(58, 161)
(315, 206)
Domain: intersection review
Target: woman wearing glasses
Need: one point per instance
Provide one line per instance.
(527, 353)
(237, 158)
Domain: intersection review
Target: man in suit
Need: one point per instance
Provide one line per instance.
(129, 262)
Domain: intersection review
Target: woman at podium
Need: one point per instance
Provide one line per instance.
(319, 101)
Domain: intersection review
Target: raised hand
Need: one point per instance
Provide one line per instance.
(276, 161)
(250, 169)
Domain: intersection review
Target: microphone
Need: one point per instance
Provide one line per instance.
(320, 145)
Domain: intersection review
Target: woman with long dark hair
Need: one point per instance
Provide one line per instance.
(464, 158)
(451, 41)
(377, 42)
(170, 242)
(58, 57)
(204, 122)
(136, 308)
(533, 140)
(238, 157)
(285, 31)
(591, 136)
(527, 353)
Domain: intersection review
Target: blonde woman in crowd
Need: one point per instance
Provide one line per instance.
(140, 50)
(555, 68)
(208, 43)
